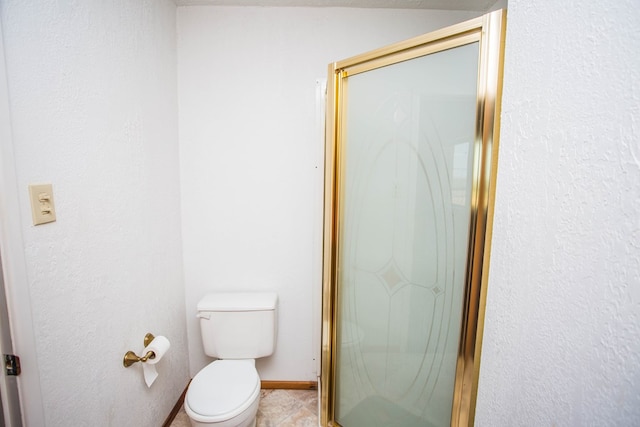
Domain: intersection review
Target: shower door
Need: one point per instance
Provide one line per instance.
(408, 177)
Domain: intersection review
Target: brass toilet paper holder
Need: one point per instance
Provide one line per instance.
(130, 357)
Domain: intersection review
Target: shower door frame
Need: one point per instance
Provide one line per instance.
(489, 31)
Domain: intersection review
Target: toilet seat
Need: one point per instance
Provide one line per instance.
(222, 390)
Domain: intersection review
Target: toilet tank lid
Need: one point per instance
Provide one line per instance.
(238, 301)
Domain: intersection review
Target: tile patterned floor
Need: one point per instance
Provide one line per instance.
(278, 408)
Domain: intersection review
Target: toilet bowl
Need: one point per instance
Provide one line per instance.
(225, 393)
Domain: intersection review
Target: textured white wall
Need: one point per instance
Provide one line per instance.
(562, 332)
(250, 158)
(93, 101)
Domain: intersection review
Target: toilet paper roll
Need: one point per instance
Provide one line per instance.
(159, 345)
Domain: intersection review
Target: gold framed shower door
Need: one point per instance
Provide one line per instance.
(488, 31)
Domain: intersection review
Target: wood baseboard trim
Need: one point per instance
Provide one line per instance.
(291, 385)
(176, 408)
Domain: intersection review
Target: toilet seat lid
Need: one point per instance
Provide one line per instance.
(223, 389)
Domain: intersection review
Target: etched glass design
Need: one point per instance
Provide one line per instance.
(405, 215)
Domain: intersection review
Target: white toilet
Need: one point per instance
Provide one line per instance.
(236, 328)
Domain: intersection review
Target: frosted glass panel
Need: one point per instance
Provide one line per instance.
(409, 132)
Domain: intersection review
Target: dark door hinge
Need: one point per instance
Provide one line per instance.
(12, 364)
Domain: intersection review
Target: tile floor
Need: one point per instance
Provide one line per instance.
(278, 408)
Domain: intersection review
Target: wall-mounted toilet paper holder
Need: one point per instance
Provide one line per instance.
(130, 357)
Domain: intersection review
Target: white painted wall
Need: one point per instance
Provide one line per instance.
(92, 92)
(499, 4)
(562, 332)
(250, 162)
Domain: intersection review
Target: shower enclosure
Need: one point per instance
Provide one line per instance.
(411, 151)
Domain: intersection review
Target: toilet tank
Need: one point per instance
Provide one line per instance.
(238, 325)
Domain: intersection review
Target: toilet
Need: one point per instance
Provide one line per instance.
(236, 328)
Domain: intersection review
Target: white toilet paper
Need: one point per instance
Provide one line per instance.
(150, 374)
(159, 345)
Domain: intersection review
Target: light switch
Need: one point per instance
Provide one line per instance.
(42, 207)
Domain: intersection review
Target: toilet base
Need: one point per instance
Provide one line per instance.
(199, 424)
(245, 419)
